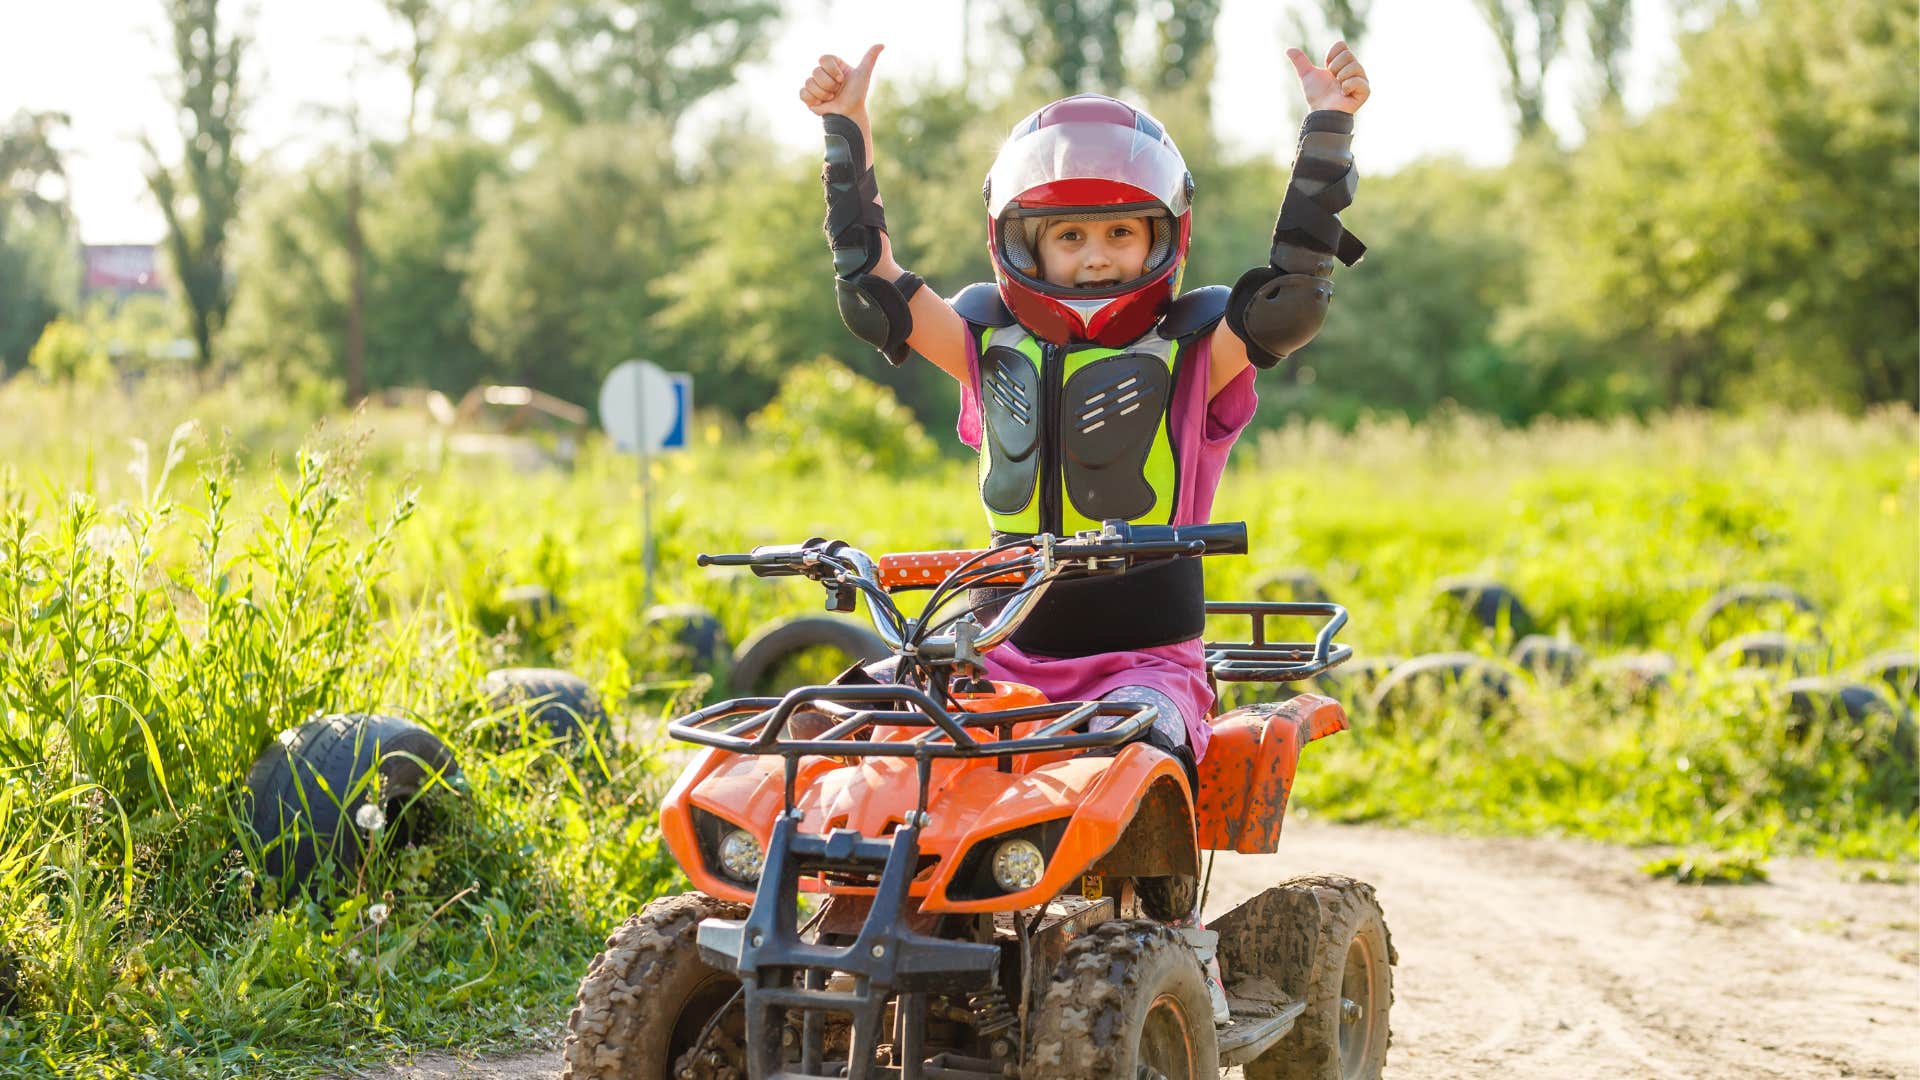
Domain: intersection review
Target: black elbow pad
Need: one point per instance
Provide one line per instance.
(1277, 308)
(1276, 313)
(877, 311)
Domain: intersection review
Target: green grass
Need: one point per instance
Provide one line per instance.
(160, 626)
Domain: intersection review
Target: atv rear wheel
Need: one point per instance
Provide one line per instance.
(1344, 1033)
(649, 999)
(1128, 1000)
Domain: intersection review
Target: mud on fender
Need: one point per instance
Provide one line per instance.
(1271, 937)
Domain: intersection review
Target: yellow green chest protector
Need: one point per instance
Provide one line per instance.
(1077, 435)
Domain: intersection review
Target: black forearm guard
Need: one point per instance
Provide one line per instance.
(1279, 307)
(873, 308)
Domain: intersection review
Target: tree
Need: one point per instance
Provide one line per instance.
(569, 257)
(1609, 34)
(1530, 36)
(200, 197)
(1753, 239)
(425, 26)
(1413, 327)
(1077, 43)
(38, 271)
(419, 216)
(1184, 53)
(1348, 18)
(568, 63)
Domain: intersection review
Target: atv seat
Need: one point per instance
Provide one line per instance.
(1248, 771)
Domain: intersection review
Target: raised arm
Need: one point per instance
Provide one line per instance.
(884, 305)
(1279, 307)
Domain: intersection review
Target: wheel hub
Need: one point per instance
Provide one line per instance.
(1357, 995)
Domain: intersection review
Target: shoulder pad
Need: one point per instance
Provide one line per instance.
(980, 304)
(1194, 312)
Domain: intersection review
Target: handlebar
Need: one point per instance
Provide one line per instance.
(1031, 566)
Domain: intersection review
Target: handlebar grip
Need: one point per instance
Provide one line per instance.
(1218, 538)
(723, 560)
(770, 560)
(1221, 538)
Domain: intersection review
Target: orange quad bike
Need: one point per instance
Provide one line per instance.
(939, 876)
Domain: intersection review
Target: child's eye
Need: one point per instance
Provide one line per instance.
(1069, 235)
(1121, 231)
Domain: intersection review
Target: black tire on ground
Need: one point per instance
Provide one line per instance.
(647, 999)
(1750, 598)
(1295, 585)
(559, 700)
(1638, 675)
(1549, 657)
(695, 632)
(1898, 669)
(1352, 682)
(1766, 649)
(1127, 994)
(757, 662)
(1353, 960)
(9, 981)
(1487, 602)
(530, 603)
(1483, 683)
(1858, 714)
(306, 793)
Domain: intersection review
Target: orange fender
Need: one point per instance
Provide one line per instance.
(1102, 795)
(1248, 771)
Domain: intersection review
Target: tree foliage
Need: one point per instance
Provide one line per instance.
(1750, 240)
(1753, 239)
(200, 197)
(569, 63)
(568, 256)
(419, 217)
(38, 272)
(1530, 37)
(1078, 43)
(827, 415)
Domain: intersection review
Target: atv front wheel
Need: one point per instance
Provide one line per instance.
(1128, 1000)
(1343, 1035)
(649, 999)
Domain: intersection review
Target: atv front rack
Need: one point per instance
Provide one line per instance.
(1261, 660)
(944, 734)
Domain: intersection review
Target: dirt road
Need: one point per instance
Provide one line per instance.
(1560, 960)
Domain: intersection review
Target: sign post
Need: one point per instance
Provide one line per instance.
(646, 410)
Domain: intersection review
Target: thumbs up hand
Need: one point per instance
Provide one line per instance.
(1341, 85)
(839, 87)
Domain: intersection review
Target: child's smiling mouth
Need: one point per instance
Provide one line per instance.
(1100, 283)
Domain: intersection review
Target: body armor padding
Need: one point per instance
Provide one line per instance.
(1008, 378)
(1112, 409)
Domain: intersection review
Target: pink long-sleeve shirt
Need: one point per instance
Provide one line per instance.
(1203, 432)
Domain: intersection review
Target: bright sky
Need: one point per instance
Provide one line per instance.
(1435, 69)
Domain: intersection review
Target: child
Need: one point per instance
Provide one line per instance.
(1090, 387)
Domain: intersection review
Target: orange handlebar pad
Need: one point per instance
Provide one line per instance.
(925, 569)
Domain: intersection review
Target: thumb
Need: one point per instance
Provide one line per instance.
(1301, 65)
(866, 62)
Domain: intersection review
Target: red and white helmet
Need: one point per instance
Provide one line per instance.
(1088, 156)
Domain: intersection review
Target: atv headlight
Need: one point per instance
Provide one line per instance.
(1018, 865)
(741, 857)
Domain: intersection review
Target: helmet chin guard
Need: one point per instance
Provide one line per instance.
(1088, 158)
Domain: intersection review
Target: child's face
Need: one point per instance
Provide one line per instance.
(1094, 254)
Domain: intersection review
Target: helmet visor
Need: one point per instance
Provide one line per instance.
(1089, 151)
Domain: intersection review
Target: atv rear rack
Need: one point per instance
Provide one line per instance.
(1261, 660)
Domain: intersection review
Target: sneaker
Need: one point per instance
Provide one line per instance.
(1205, 945)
